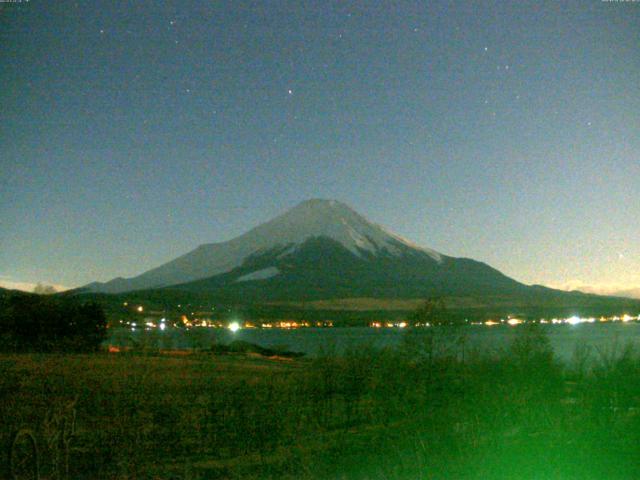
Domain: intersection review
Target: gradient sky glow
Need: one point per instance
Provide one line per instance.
(508, 132)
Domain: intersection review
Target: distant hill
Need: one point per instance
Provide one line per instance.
(5, 292)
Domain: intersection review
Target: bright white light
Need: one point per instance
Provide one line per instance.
(514, 321)
(162, 326)
(573, 320)
(234, 326)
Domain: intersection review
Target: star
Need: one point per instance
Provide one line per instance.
(101, 32)
(290, 92)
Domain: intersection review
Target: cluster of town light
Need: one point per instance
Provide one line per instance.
(148, 325)
(235, 325)
(393, 325)
(574, 320)
(202, 319)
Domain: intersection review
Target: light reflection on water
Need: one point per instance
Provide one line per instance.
(601, 337)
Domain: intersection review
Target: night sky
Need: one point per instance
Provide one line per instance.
(508, 132)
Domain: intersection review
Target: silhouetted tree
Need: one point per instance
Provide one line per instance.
(432, 312)
(45, 323)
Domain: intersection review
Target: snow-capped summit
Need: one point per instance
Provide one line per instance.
(331, 219)
(316, 218)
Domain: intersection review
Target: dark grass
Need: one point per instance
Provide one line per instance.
(430, 409)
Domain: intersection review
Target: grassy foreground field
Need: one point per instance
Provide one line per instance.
(428, 410)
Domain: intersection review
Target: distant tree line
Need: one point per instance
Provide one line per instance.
(432, 312)
(46, 323)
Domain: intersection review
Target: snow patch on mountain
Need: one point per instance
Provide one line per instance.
(432, 253)
(259, 274)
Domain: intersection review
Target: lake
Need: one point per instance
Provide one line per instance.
(600, 337)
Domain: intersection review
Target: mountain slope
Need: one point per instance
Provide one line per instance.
(323, 250)
(322, 268)
(310, 219)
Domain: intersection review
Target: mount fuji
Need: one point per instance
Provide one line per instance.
(315, 244)
(323, 250)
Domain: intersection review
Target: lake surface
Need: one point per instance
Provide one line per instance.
(599, 337)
